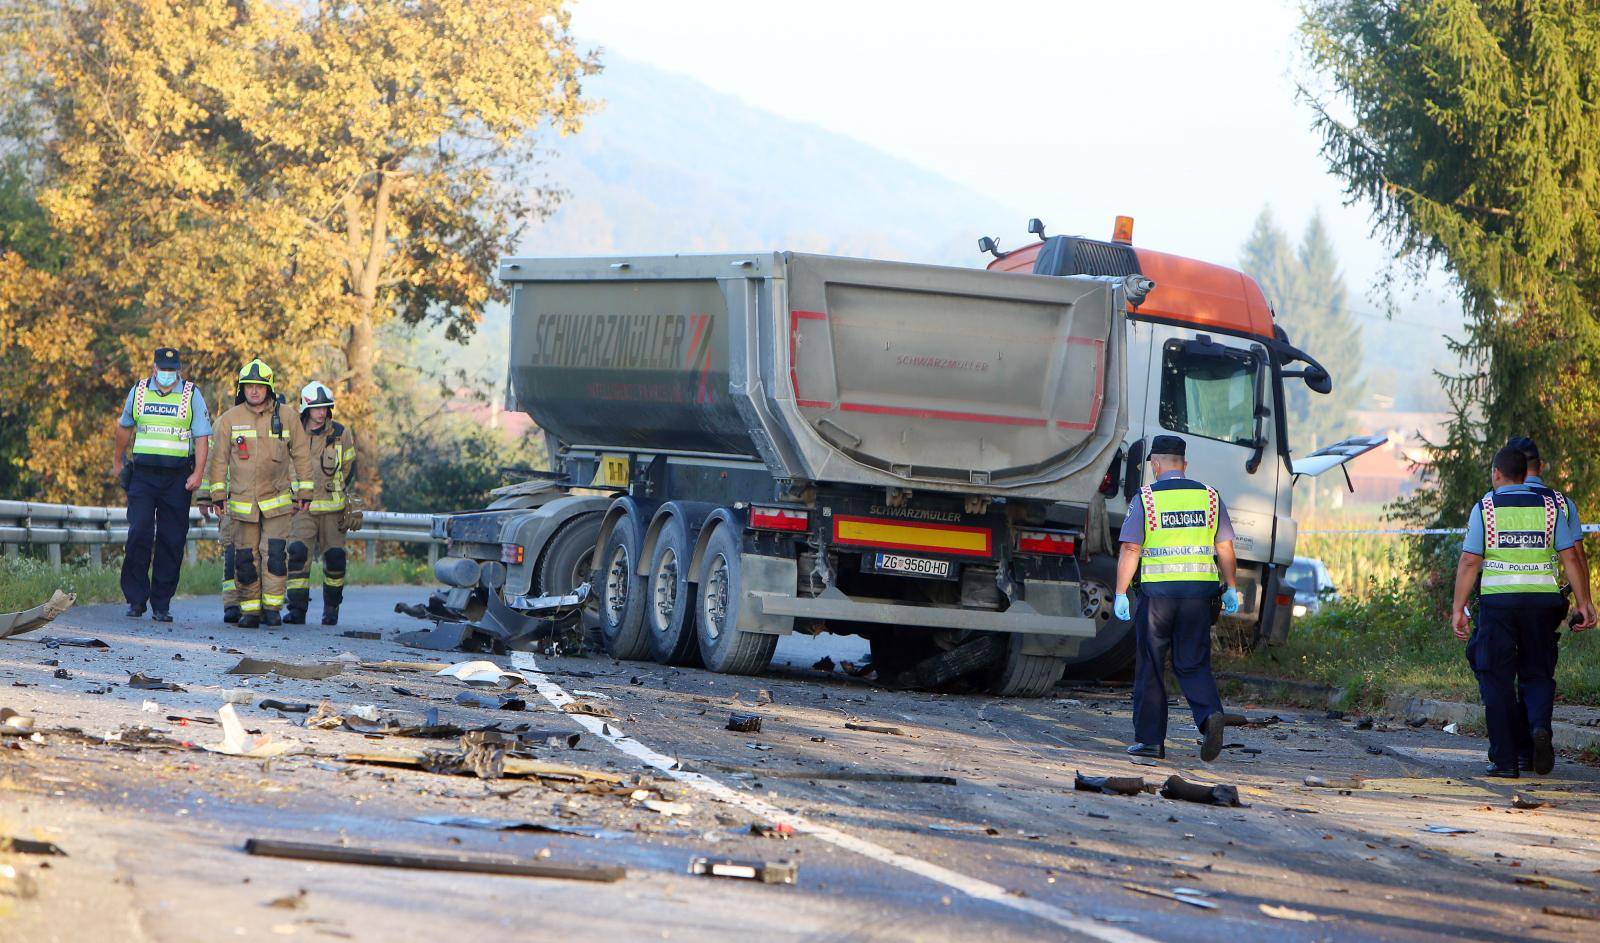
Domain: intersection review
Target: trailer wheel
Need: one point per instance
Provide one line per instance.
(622, 595)
(1110, 653)
(669, 598)
(567, 563)
(718, 594)
(1019, 675)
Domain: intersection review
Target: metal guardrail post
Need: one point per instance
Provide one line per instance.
(372, 552)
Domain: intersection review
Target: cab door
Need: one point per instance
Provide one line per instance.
(1216, 391)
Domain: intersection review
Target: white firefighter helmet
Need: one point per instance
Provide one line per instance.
(315, 394)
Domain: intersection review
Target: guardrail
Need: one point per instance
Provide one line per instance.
(54, 526)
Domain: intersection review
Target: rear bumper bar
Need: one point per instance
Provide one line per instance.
(834, 605)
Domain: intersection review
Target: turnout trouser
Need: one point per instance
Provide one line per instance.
(158, 526)
(1180, 626)
(261, 563)
(1513, 651)
(230, 585)
(309, 535)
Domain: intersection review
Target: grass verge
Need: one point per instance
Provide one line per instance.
(1397, 641)
(26, 582)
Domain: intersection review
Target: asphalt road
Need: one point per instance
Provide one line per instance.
(154, 829)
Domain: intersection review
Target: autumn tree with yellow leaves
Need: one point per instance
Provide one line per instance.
(242, 178)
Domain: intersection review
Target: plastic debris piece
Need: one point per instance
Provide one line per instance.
(1352, 782)
(362, 634)
(1287, 913)
(1116, 785)
(1176, 787)
(27, 846)
(288, 707)
(71, 641)
(517, 825)
(366, 712)
(983, 829)
(1451, 728)
(490, 702)
(307, 851)
(1448, 830)
(284, 669)
(482, 674)
(744, 723)
(150, 707)
(1180, 898)
(767, 872)
(14, 724)
(63, 674)
(17, 883)
(1522, 800)
(236, 742)
(591, 710)
(26, 620)
(144, 682)
(875, 728)
(783, 830)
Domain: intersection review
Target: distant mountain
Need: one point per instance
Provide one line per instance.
(668, 165)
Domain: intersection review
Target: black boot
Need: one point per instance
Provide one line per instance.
(230, 614)
(134, 612)
(330, 615)
(332, 596)
(271, 617)
(249, 620)
(293, 616)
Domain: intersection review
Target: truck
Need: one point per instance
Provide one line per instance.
(747, 445)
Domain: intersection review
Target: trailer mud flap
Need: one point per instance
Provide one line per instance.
(764, 577)
(1052, 598)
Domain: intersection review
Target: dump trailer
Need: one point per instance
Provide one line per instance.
(749, 445)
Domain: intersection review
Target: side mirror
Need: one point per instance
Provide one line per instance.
(987, 244)
(1318, 380)
(1036, 227)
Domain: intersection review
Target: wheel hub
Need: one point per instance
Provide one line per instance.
(715, 595)
(617, 572)
(1096, 600)
(666, 591)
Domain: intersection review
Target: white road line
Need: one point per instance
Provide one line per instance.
(970, 886)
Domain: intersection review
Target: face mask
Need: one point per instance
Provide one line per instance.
(166, 377)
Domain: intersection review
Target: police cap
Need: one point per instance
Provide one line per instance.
(1167, 445)
(167, 359)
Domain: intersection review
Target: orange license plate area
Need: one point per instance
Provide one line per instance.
(908, 535)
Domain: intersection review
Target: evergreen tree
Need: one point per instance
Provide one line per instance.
(1472, 130)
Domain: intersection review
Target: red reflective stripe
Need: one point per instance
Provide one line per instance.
(810, 315)
(814, 403)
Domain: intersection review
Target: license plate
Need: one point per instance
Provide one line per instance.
(913, 566)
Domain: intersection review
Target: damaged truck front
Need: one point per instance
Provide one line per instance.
(747, 446)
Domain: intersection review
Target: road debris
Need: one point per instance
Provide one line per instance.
(983, 829)
(842, 775)
(1551, 883)
(1452, 728)
(366, 712)
(1344, 783)
(1176, 787)
(782, 831)
(144, 682)
(1448, 830)
(517, 825)
(767, 872)
(27, 846)
(307, 851)
(667, 806)
(150, 707)
(589, 710)
(490, 702)
(70, 641)
(1117, 785)
(319, 671)
(237, 742)
(1575, 913)
(1522, 800)
(63, 674)
(514, 766)
(13, 724)
(744, 723)
(26, 620)
(288, 707)
(875, 728)
(395, 667)
(482, 674)
(1170, 895)
(294, 901)
(1287, 913)
(362, 634)
(17, 883)
(822, 664)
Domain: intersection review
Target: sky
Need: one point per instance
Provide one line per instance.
(1181, 114)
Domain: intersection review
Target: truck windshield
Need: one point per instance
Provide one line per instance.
(1208, 394)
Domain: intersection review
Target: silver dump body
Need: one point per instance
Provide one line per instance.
(830, 370)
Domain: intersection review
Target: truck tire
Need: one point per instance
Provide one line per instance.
(1019, 675)
(718, 595)
(1111, 652)
(622, 595)
(669, 598)
(567, 563)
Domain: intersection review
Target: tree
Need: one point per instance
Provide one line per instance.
(1309, 298)
(1472, 130)
(245, 177)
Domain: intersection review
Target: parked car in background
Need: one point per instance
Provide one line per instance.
(1312, 585)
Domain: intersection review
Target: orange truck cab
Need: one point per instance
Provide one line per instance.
(1206, 361)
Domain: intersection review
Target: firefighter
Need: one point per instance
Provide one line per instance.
(230, 592)
(165, 418)
(332, 511)
(1179, 539)
(260, 476)
(1516, 539)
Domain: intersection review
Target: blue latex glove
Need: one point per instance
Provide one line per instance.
(1121, 607)
(1230, 601)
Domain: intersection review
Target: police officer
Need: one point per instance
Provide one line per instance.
(260, 475)
(333, 469)
(1515, 538)
(166, 420)
(1178, 537)
(1568, 509)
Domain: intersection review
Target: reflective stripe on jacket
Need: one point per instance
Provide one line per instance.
(1180, 533)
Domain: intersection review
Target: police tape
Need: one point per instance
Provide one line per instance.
(1414, 531)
